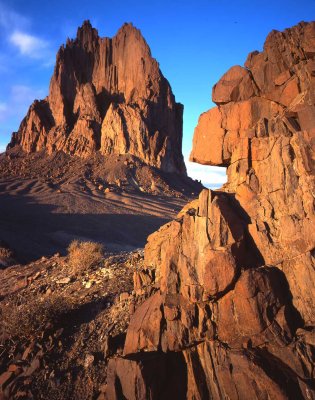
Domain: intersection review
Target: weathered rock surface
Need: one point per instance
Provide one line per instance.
(235, 270)
(107, 95)
(56, 342)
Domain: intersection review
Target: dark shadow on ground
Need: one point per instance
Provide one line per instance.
(34, 230)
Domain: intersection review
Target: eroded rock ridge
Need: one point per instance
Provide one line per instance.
(231, 310)
(107, 95)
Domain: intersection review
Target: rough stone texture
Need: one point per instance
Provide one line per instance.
(235, 85)
(235, 270)
(133, 379)
(107, 95)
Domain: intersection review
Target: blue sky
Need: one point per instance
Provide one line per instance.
(195, 42)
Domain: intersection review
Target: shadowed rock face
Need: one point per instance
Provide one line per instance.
(107, 95)
(234, 273)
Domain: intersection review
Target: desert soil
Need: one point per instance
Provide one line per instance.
(47, 201)
(60, 325)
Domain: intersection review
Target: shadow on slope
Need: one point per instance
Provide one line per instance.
(34, 230)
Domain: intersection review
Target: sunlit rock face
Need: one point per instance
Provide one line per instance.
(233, 306)
(107, 95)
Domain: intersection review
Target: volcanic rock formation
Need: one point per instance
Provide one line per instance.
(107, 95)
(232, 312)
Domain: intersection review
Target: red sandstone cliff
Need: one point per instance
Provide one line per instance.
(107, 95)
(231, 311)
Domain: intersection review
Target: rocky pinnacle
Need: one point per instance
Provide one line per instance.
(107, 95)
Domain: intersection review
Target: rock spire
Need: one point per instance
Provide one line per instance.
(107, 95)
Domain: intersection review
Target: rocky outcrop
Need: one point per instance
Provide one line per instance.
(234, 273)
(107, 95)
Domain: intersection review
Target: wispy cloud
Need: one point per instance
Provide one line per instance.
(212, 177)
(20, 47)
(17, 32)
(29, 45)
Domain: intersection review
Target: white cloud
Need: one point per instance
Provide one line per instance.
(16, 30)
(2, 148)
(29, 45)
(212, 177)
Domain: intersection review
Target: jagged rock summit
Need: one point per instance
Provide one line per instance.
(107, 95)
(231, 312)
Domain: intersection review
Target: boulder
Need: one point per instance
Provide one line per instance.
(235, 85)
